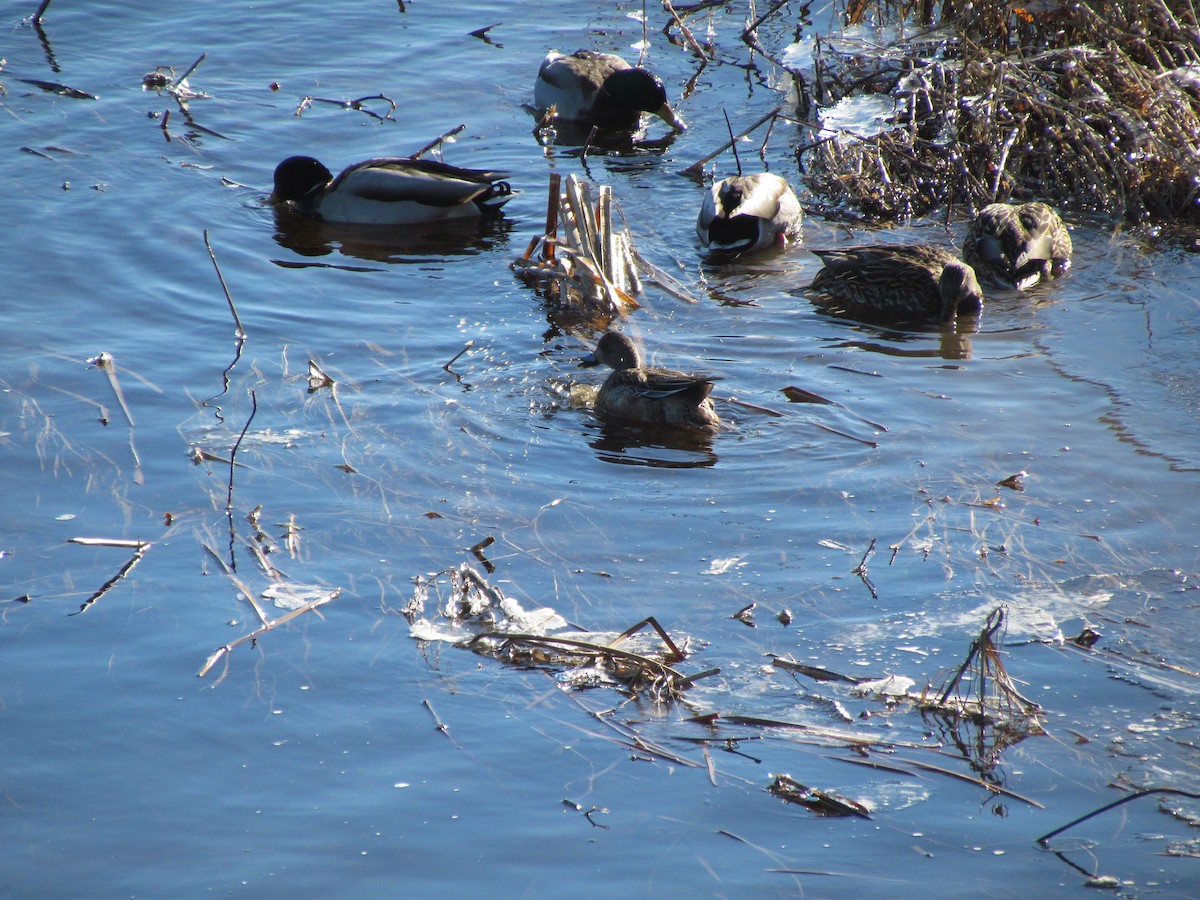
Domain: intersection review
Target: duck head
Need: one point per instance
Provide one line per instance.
(960, 292)
(635, 89)
(298, 177)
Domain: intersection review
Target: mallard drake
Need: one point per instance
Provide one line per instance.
(1016, 246)
(748, 212)
(899, 281)
(600, 89)
(651, 396)
(388, 191)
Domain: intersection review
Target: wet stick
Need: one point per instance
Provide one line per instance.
(224, 651)
(232, 467)
(753, 27)
(696, 167)
(37, 16)
(104, 362)
(732, 143)
(1134, 796)
(439, 140)
(467, 346)
(192, 68)
(241, 332)
(142, 547)
(685, 31)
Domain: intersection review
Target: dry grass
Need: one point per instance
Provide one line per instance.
(1093, 106)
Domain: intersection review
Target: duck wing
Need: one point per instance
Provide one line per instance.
(658, 384)
(399, 180)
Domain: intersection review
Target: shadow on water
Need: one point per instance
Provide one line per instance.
(390, 243)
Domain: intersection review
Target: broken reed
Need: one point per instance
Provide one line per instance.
(582, 261)
(1094, 106)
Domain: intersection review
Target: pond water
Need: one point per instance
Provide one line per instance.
(336, 754)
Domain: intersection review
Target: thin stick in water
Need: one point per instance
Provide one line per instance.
(732, 142)
(37, 16)
(241, 332)
(467, 346)
(699, 164)
(192, 68)
(232, 467)
(440, 139)
(121, 573)
(1134, 796)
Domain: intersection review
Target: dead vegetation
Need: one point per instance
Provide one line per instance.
(460, 607)
(1093, 106)
(473, 614)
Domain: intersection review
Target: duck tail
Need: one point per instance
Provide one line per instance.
(497, 194)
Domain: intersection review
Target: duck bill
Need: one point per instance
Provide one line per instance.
(667, 114)
(588, 361)
(1028, 271)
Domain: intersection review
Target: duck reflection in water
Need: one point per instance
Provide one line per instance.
(953, 343)
(431, 242)
(656, 447)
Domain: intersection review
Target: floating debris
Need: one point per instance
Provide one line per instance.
(824, 803)
(979, 703)
(582, 262)
(475, 615)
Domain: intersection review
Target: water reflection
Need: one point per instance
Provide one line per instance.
(644, 445)
(952, 344)
(427, 242)
(588, 140)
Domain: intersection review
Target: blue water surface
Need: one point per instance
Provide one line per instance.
(338, 756)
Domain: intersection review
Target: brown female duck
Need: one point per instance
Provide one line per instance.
(899, 281)
(1016, 246)
(638, 393)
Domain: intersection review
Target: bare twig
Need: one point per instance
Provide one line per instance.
(454, 359)
(105, 363)
(142, 547)
(41, 11)
(696, 167)
(258, 632)
(1134, 796)
(753, 27)
(355, 104)
(232, 467)
(439, 140)
(437, 721)
(685, 31)
(192, 68)
(241, 332)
